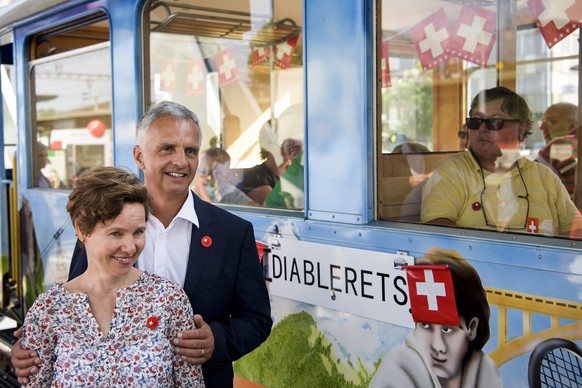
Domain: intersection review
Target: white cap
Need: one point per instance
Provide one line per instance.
(268, 141)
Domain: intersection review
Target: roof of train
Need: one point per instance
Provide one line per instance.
(20, 10)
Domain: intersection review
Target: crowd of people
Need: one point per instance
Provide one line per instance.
(276, 182)
(491, 185)
(160, 273)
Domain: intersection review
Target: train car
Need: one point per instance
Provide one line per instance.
(331, 126)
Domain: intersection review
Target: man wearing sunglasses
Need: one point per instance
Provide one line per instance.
(490, 185)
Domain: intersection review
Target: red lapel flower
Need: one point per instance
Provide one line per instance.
(206, 241)
(152, 322)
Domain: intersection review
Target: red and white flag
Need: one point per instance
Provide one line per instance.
(556, 19)
(431, 37)
(260, 54)
(432, 296)
(284, 52)
(474, 35)
(261, 247)
(533, 225)
(195, 78)
(385, 65)
(168, 75)
(226, 66)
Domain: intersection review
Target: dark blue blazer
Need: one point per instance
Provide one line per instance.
(225, 285)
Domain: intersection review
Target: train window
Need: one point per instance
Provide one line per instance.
(239, 67)
(522, 62)
(70, 86)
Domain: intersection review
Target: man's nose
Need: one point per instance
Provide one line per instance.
(180, 158)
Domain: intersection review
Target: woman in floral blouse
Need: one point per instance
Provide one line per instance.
(113, 325)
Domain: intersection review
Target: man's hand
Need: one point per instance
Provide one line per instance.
(195, 346)
(25, 362)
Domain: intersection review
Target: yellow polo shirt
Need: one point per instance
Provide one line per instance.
(455, 191)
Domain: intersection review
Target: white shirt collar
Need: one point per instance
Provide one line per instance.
(188, 212)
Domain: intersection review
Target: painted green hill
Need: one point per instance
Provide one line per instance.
(297, 354)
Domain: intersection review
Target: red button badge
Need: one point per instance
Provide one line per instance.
(476, 206)
(152, 322)
(206, 241)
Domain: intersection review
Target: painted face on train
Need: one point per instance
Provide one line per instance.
(487, 144)
(169, 156)
(114, 246)
(446, 346)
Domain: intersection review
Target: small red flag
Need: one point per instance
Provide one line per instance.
(432, 296)
(431, 37)
(168, 76)
(261, 249)
(226, 66)
(284, 52)
(556, 19)
(260, 54)
(474, 35)
(195, 78)
(533, 225)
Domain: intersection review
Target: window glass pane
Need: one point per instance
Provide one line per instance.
(435, 57)
(71, 115)
(9, 113)
(239, 67)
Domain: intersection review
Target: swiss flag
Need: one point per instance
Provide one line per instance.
(385, 64)
(556, 19)
(284, 52)
(168, 76)
(226, 66)
(474, 35)
(260, 54)
(195, 78)
(533, 225)
(431, 37)
(432, 296)
(261, 249)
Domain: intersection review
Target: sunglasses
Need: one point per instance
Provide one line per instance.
(491, 124)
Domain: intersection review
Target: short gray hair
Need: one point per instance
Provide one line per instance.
(164, 109)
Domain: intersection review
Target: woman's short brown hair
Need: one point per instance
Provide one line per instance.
(99, 196)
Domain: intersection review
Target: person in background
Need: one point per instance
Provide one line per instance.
(414, 168)
(258, 181)
(414, 161)
(218, 165)
(209, 251)
(288, 191)
(47, 177)
(491, 186)
(204, 182)
(560, 128)
(439, 355)
(112, 325)
(463, 137)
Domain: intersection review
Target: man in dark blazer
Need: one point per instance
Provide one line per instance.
(223, 276)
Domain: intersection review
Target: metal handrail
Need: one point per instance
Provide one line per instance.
(15, 231)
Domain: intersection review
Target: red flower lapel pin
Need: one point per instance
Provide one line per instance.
(152, 322)
(206, 241)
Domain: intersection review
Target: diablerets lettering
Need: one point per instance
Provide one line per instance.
(319, 278)
(346, 281)
(308, 272)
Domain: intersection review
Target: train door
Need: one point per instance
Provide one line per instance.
(10, 308)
